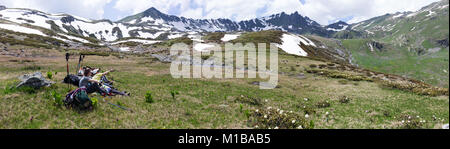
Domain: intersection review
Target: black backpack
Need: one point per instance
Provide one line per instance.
(78, 99)
(72, 79)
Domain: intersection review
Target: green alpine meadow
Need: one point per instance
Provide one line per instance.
(156, 70)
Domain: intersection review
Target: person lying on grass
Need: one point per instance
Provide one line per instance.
(90, 84)
(108, 88)
(112, 92)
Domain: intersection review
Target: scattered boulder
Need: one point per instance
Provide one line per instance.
(114, 48)
(301, 76)
(376, 45)
(162, 58)
(254, 83)
(139, 48)
(35, 80)
(443, 43)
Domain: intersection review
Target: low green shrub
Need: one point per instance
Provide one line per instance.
(57, 98)
(94, 102)
(416, 87)
(411, 122)
(339, 75)
(173, 93)
(149, 97)
(269, 118)
(344, 99)
(249, 100)
(49, 75)
(323, 104)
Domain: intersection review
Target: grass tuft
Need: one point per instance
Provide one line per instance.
(278, 119)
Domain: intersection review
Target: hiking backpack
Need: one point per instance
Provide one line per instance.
(78, 99)
(72, 79)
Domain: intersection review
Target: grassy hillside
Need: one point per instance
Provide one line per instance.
(331, 101)
(431, 67)
(412, 44)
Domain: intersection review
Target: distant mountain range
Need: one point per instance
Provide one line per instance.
(294, 23)
(153, 24)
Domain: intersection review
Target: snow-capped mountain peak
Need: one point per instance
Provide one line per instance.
(338, 26)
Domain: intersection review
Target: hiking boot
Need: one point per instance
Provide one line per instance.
(127, 94)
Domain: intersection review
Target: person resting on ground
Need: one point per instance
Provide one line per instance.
(90, 84)
(99, 78)
(112, 91)
(81, 71)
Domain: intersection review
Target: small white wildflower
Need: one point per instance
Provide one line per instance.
(256, 126)
(281, 111)
(403, 121)
(306, 116)
(300, 127)
(293, 121)
(266, 100)
(418, 116)
(269, 128)
(278, 110)
(409, 121)
(265, 116)
(327, 113)
(269, 108)
(291, 112)
(257, 110)
(306, 99)
(275, 127)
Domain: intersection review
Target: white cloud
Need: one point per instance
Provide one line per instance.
(322, 11)
(85, 8)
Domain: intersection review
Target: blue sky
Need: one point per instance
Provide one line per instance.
(322, 11)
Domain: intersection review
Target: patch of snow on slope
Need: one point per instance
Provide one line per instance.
(396, 16)
(202, 47)
(368, 24)
(430, 13)
(138, 40)
(371, 47)
(196, 38)
(372, 33)
(124, 49)
(308, 42)
(356, 25)
(411, 15)
(21, 29)
(75, 38)
(229, 37)
(337, 30)
(290, 44)
(173, 36)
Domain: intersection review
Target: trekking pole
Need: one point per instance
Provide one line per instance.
(123, 108)
(79, 62)
(67, 62)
